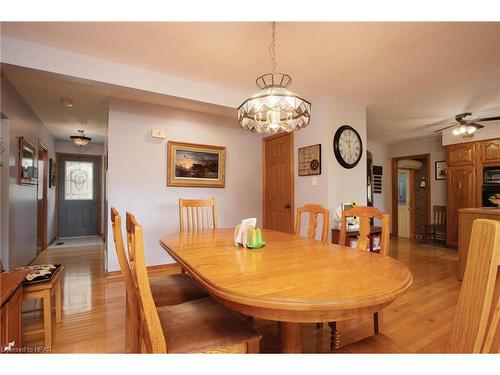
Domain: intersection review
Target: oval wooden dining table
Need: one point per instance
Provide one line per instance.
(291, 279)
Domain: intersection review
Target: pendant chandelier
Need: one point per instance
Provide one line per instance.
(274, 109)
(81, 139)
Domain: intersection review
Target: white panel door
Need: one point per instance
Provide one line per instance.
(404, 205)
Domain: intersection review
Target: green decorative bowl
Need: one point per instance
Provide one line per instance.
(256, 245)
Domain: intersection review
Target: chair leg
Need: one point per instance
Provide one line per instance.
(334, 336)
(375, 323)
(253, 346)
(47, 318)
(58, 301)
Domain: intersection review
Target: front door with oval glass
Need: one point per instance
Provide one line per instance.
(78, 196)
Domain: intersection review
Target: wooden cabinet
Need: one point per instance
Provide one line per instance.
(11, 297)
(490, 151)
(461, 194)
(466, 218)
(461, 154)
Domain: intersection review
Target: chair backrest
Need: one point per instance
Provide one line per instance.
(154, 338)
(130, 285)
(120, 251)
(129, 225)
(365, 214)
(439, 215)
(475, 323)
(313, 210)
(200, 214)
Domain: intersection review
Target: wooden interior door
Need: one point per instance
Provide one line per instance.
(461, 194)
(42, 198)
(278, 183)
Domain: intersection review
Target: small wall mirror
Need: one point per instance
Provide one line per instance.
(27, 172)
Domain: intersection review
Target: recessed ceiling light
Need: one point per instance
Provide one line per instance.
(67, 103)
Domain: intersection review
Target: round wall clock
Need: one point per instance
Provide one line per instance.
(347, 146)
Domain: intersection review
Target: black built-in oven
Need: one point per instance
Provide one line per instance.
(491, 184)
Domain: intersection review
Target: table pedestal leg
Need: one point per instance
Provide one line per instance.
(290, 336)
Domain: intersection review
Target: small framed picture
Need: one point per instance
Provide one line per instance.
(310, 160)
(441, 170)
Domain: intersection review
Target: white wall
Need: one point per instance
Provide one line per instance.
(137, 170)
(23, 199)
(71, 148)
(490, 131)
(380, 154)
(335, 184)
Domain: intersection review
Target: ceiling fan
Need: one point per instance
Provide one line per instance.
(466, 124)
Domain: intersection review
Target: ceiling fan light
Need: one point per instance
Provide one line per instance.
(471, 129)
(462, 129)
(456, 131)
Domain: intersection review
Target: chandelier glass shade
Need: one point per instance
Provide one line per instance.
(274, 109)
(81, 139)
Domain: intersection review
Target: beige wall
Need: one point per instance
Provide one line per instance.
(137, 167)
(71, 148)
(335, 184)
(382, 155)
(21, 217)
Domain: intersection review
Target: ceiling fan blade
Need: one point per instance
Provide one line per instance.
(476, 125)
(440, 130)
(496, 118)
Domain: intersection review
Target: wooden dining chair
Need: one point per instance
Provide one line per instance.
(477, 314)
(167, 289)
(436, 230)
(199, 214)
(365, 215)
(313, 210)
(199, 326)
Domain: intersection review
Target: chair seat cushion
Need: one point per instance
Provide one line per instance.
(175, 289)
(38, 272)
(202, 325)
(374, 344)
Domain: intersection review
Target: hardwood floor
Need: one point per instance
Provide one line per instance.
(94, 307)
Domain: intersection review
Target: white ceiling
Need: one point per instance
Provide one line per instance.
(408, 74)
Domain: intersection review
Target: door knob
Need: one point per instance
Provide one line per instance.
(287, 205)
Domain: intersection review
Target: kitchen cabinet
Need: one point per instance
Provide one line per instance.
(460, 194)
(461, 154)
(11, 298)
(490, 151)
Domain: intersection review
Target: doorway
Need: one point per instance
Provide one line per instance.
(406, 197)
(411, 195)
(278, 183)
(78, 195)
(42, 203)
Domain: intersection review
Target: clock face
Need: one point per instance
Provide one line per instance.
(347, 146)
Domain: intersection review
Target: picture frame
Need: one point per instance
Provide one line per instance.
(441, 170)
(52, 173)
(195, 165)
(26, 167)
(309, 160)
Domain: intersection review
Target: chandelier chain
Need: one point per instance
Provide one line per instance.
(272, 47)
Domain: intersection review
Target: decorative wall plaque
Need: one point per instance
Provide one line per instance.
(310, 160)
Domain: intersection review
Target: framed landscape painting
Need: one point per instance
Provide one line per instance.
(194, 165)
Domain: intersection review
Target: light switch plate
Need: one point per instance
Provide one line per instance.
(158, 133)
(314, 181)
